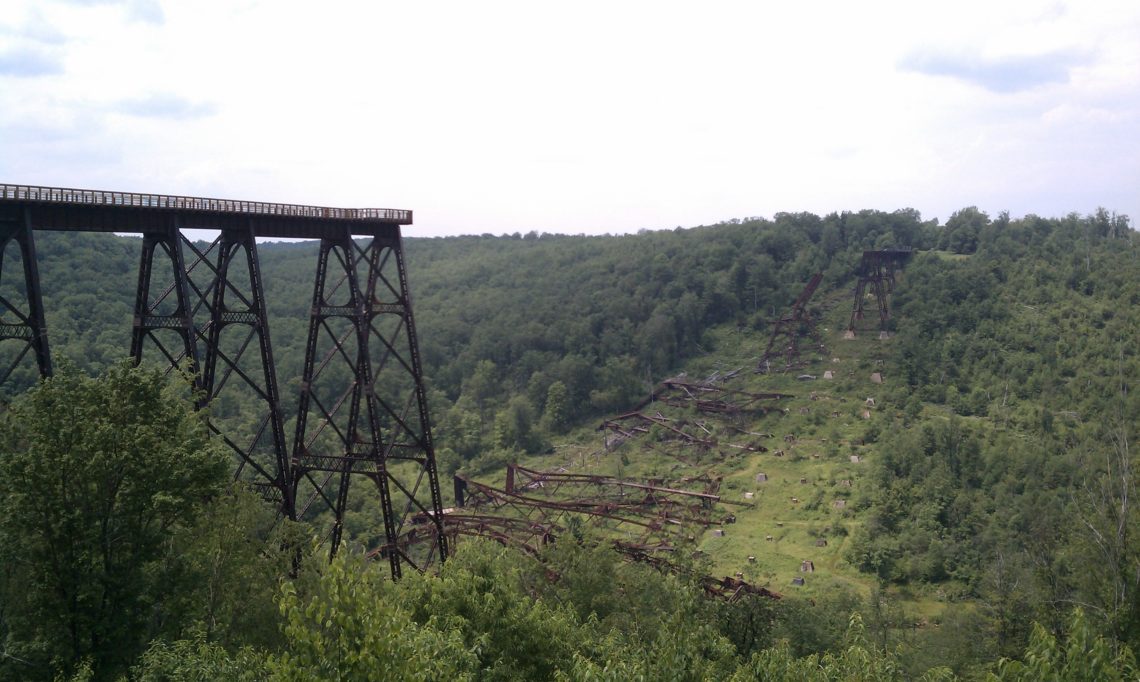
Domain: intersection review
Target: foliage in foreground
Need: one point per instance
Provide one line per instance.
(491, 616)
(1084, 655)
(95, 476)
(165, 576)
(116, 528)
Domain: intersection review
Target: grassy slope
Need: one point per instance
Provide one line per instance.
(820, 456)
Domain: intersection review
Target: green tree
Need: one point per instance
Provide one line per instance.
(514, 426)
(962, 230)
(1105, 543)
(556, 416)
(197, 660)
(482, 387)
(350, 627)
(1081, 657)
(857, 661)
(482, 594)
(96, 474)
(223, 573)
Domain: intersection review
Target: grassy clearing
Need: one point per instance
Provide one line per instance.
(817, 468)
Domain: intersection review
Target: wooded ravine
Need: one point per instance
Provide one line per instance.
(954, 498)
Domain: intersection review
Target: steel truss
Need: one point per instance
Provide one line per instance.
(626, 426)
(877, 269)
(375, 426)
(639, 523)
(23, 323)
(201, 308)
(691, 508)
(707, 397)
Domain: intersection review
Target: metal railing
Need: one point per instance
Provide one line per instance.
(87, 197)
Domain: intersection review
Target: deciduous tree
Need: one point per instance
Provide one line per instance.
(95, 476)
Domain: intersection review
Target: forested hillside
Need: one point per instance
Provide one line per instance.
(1007, 472)
(503, 319)
(992, 516)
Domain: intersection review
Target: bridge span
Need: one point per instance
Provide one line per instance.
(362, 408)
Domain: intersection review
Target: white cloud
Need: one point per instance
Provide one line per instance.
(164, 106)
(511, 116)
(29, 63)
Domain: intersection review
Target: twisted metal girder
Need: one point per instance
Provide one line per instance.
(690, 507)
(788, 326)
(654, 519)
(645, 523)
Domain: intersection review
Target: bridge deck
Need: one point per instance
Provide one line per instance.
(57, 208)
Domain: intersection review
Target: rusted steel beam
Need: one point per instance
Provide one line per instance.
(615, 424)
(788, 326)
(732, 589)
(621, 513)
(529, 523)
(663, 422)
(658, 521)
(697, 504)
(729, 589)
(534, 476)
(531, 537)
(717, 390)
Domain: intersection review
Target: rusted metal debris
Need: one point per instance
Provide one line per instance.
(732, 589)
(729, 589)
(706, 397)
(646, 514)
(530, 538)
(787, 331)
(652, 521)
(638, 423)
(709, 398)
(551, 482)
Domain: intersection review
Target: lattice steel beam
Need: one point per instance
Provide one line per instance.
(239, 361)
(24, 324)
(376, 427)
(163, 305)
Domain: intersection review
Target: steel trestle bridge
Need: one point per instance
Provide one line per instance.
(362, 408)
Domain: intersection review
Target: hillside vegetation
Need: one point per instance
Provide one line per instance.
(986, 486)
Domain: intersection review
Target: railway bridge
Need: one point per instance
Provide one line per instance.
(362, 409)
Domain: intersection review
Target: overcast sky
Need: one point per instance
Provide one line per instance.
(580, 116)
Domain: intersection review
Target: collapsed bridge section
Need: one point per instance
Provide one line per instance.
(645, 521)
